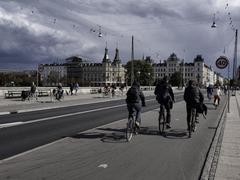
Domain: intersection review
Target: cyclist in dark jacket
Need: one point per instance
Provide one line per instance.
(135, 100)
(192, 96)
(164, 95)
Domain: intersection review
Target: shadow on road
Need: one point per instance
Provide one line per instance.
(210, 105)
(177, 134)
(111, 137)
(171, 134)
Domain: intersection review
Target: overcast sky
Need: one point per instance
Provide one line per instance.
(45, 31)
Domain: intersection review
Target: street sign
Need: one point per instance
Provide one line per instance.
(40, 68)
(222, 62)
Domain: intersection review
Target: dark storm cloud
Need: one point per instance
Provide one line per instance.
(36, 31)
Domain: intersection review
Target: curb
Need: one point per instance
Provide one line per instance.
(53, 107)
(209, 167)
(4, 113)
(60, 106)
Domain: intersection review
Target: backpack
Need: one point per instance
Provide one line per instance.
(163, 95)
(133, 95)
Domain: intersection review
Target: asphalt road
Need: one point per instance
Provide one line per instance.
(173, 157)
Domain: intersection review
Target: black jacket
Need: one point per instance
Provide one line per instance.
(164, 85)
(193, 95)
(139, 96)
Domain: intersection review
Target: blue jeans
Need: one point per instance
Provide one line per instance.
(135, 107)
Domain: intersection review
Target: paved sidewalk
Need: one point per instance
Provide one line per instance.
(16, 105)
(228, 166)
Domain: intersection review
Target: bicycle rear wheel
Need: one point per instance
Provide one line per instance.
(130, 129)
(161, 121)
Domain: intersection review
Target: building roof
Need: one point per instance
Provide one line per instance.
(106, 57)
(199, 58)
(116, 58)
(173, 57)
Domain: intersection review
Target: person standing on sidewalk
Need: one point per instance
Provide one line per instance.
(33, 91)
(192, 96)
(164, 95)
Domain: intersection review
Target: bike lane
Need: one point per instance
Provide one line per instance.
(103, 153)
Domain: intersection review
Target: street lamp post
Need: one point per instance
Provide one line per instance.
(149, 80)
(132, 59)
(234, 63)
(139, 73)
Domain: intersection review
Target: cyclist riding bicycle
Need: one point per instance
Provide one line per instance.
(134, 96)
(164, 95)
(192, 96)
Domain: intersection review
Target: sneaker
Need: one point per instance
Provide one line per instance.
(168, 126)
(137, 125)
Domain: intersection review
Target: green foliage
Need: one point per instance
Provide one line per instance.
(143, 72)
(218, 83)
(53, 77)
(175, 79)
(16, 79)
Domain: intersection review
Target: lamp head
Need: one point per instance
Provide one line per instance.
(213, 25)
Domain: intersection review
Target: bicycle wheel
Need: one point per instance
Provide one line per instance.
(130, 128)
(161, 121)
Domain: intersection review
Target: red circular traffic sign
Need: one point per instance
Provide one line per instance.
(222, 62)
(40, 68)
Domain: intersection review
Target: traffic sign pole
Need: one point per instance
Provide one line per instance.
(222, 62)
(37, 79)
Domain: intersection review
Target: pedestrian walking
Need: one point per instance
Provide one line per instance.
(76, 88)
(216, 93)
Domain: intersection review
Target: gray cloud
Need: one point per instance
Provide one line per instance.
(34, 31)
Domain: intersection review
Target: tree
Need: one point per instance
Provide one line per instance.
(175, 79)
(143, 72)
(53, 77)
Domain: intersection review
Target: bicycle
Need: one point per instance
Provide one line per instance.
(162, 120)
(131, 127)
(192, 125)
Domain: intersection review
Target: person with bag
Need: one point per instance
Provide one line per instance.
(164, 95)
(216, 94)
(193, 97)
(135, 100)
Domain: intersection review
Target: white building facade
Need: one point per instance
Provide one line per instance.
(76, 70)
(197, 70)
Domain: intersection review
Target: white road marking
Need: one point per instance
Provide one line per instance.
(10, 124)
(103, 166)
(65, 115)
(176, 119)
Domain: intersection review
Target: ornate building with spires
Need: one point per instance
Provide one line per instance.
(196, 70)
(77, 70)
